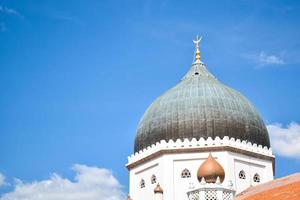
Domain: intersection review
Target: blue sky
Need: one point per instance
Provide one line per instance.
(76, 76)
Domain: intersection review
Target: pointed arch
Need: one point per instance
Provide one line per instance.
(153, 179)
(256, 178)
(142, 183)
(242, 174)
(185, 173)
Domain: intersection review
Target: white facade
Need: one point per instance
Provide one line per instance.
(245, 164)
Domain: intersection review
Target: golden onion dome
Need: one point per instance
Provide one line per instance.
(210, 170)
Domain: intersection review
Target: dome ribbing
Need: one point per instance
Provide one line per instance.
(200, 106)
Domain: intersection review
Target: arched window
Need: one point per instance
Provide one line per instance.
(242, 174)
(153, 179)
(185, 173)
(256, 178)
(142, 183)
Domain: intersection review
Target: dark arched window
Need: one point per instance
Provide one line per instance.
(185, 173)
(153, 179)
(142, 183)
(256, 178)
(242, 174)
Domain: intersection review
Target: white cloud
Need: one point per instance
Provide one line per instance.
(285, 141)
(2, 180)
(264, 59)
(11, 11)
(90, 183)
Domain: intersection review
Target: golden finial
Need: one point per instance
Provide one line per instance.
(197, 51)
(158, 189)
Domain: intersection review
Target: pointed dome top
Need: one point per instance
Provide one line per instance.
(129, 198)
(210, 170)
(158, 189)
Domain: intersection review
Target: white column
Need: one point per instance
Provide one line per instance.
(202, 195)
(158, 196)
(219, 194)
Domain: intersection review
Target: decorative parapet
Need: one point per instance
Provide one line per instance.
(212, 191)
(201, 143)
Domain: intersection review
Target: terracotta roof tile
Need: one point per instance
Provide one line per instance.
(283, 188)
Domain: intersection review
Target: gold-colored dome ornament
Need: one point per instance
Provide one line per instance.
(158, 189)
(210, 170)
(197, 46)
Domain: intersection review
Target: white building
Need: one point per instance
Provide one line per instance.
(183, 126)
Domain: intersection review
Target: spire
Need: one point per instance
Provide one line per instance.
(198, 69)
(197, 50)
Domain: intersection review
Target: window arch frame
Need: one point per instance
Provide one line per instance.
(153, 179)
(142, 183)
(256, 178)
(186, 173)
(242, 175)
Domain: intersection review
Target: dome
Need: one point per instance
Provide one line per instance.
(210, 170)
(158, 189)
(200, 106)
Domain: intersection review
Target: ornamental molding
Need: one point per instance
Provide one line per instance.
(212, 191)
(201, 145)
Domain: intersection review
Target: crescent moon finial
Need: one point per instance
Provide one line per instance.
(197, 46)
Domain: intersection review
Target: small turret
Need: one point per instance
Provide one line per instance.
(158, 193)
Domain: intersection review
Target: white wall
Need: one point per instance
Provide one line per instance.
(250, 166)
(144, 172)
(167, 169)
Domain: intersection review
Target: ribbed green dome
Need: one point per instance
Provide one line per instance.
(200, 106)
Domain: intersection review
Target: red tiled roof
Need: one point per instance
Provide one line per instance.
(287, 187)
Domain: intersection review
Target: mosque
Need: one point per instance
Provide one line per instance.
(200, 140)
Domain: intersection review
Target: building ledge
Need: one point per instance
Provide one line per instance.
(201, 145)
